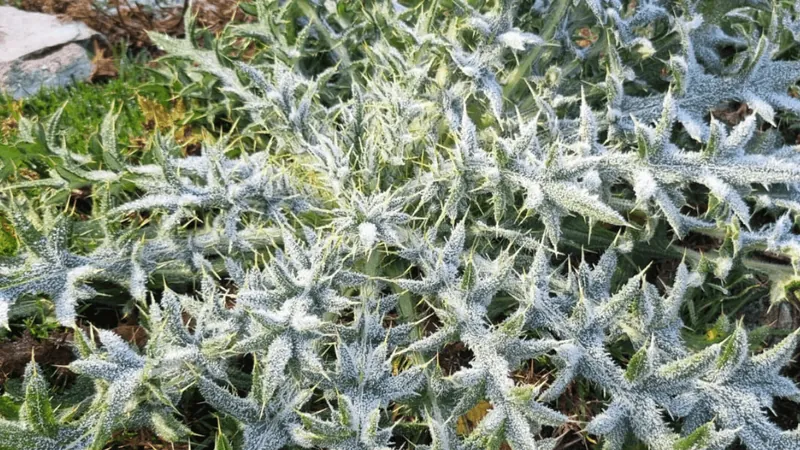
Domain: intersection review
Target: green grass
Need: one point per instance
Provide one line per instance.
(8, 243)
(88, 103)
(85, 106)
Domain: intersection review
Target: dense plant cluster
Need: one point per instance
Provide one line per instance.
(403, 176)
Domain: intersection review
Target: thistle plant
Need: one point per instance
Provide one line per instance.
(526, 180)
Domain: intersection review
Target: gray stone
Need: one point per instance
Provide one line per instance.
(159, 8)
(38, 50)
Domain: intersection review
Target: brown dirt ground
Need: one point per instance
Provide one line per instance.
(131, 22)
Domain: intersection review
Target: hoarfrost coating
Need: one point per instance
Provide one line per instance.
(403, 179)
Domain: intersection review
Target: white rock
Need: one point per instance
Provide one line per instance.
(37, 50)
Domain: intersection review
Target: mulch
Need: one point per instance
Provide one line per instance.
(127, 22)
